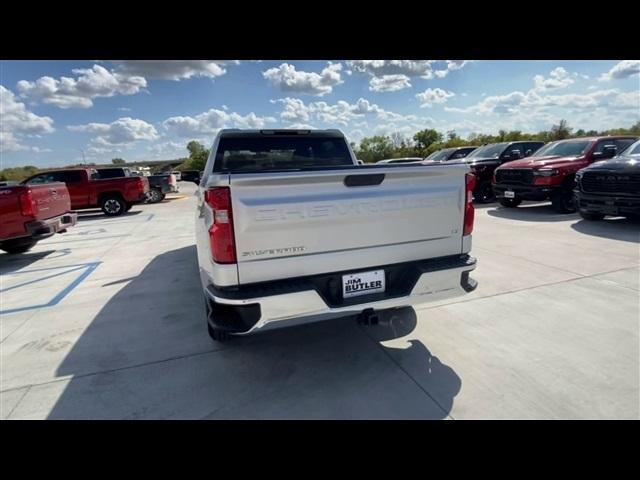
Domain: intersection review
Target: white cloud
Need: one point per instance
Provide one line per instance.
(174, 69)
(380, 68)
(340, 113)
(623, 69)
(288, 79)
(389, 83)
(123, 131)
(211, 121)
(558, 78)
(168, 149)
(294, 110)
(79, 92)
(409, 68)
(433, 95)
(16, 122)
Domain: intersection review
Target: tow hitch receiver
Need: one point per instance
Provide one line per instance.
(368, 317)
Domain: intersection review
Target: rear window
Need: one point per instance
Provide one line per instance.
(111, 173)
(238, 154)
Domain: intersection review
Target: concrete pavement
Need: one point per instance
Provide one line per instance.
(107, 321)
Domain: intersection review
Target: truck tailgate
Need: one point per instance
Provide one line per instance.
(49, 200)
(295, 224)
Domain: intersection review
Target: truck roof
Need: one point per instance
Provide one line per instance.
(236, 132)
(597, 137)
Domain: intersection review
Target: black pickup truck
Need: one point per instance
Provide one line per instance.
(159, 185)
(483, 162)
(610, 187)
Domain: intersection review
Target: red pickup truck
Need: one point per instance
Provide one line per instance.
(114, 196)
(31, 213)
(550, 172)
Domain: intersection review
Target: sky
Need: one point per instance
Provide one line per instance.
(55, 113)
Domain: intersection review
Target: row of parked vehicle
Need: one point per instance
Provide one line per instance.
(46, 203)
(597, 176)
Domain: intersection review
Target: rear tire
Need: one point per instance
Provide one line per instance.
(592, 216)
(563, 202)
(510, 202)
(112, 206)
(484, 193)
(155, 195)
(15, 247)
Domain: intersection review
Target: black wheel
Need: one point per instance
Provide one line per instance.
(162, 197)
(217, 335)
(563, 202)
(155, 195)
(592, 216)
(510, 202)
(484, 193)
(112, 206)
(21, 246)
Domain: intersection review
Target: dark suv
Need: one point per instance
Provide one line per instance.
(484, 160)
(446, 154)
(610, 187)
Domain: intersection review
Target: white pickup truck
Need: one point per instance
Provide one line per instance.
(290, 229)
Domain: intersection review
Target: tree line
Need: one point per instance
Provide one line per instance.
(425, 142)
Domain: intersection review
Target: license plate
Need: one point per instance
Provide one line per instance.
(363, 283)
(509, 194)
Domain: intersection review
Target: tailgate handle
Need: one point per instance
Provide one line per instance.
(363, 180)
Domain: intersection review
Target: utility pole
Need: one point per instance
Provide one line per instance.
(84, 161)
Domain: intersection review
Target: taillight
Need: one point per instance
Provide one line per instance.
(469, 211)
(223, 248)
(28, 206)
(140, 184)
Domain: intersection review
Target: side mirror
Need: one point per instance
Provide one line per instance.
(609, 151)
(528, 153)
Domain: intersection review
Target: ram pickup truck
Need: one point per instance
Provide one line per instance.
(550, 173)
(31, 213)
(289, 230)
(114, 196)
(610, 187)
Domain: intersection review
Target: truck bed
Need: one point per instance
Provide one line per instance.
(300, 223)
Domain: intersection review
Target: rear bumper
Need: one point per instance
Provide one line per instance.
(40, 229)
(243, 310)
(525, 192)
(607, 204)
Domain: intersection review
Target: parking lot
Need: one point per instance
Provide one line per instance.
(107, 321)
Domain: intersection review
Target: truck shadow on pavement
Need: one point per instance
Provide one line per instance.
(147, 355)
(532, 213)
(625, 229)
(86, 215)
(13, 263)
